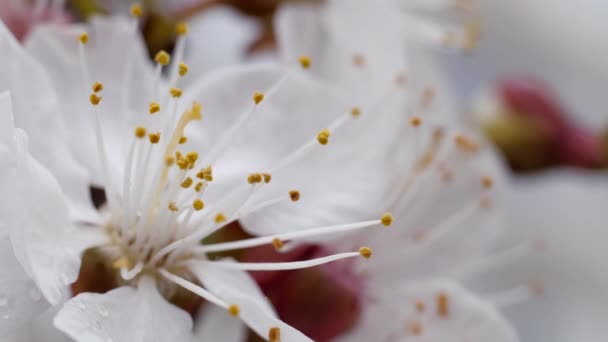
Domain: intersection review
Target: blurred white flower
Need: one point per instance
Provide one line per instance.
(127, 131)
(443, 184)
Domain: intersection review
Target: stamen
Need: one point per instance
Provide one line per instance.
(154, 137)
(301, 234)
(234, 310)
(136, 10)
(442, 304)
(386, 219)
(294, 195)
(274, 334)
(181, 28)
(198, 204)
(183, 69)
(277, 266)
(154, 107)
(193, 288)
(95, 99)
(176, 92)
(97, 87)
(258, 97)
(163, 58)
(130, 274)
(355, 111)
(83, 38)
(323, 137)
(420, 307)
(305, 62)
(220, 218)
(365, 252)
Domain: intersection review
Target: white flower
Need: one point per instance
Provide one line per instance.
(443, 180)
(262, 140)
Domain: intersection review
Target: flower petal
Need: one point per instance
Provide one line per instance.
(567, 210)
(36, 107)
(35, 215)
(238, 288)
(125, 314)
(116, 58)
(433, 310)
(20, 300)
(216, 324)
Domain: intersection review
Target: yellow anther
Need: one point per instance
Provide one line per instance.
(95, 99)
(169, 160)
(420, 306)
(305, 62)
(386, 219)
(466, 144)
(182, 140)
(355, 111)
(487, 182)
(182, 163)
(258, 97)
(175, 92)
(192, 156)
(154, 137)
(359, 60)
(234, 310)
(254, 178)
(323, 137)
(277, 243)
(140, 132)
(154, 107)
(198, 204)
(294, 195)
(181, 28)
(172, 206)
(219, 218)
(365, 252)
(198, 186)
(267, 177)
(443, 304)
(183, 69)
(121, 263)
(97, 87)
(415, 121)
(136, 10)
(83, 38)
(416, 328)
(206, 174)
(186, 183)
(162, 57)
(274, 334)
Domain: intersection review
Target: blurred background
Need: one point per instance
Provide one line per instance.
(535, 83)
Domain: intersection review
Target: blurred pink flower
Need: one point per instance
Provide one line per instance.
(20, 16)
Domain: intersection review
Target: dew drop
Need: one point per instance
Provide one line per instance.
(81, 306)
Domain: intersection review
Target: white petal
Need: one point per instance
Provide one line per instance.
(35, 215)
(36, 107)
(125, 314)
(20, 300)
(566, 209)
(217, 37)
(216, 324)
(114, 47)
(238, 288)
(468, 318)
